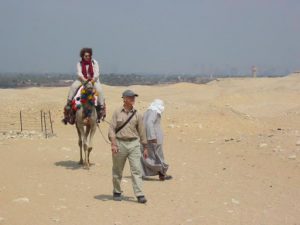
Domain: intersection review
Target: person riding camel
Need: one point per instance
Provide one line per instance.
(87, 70)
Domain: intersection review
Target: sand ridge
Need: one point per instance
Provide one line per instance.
(232, 145)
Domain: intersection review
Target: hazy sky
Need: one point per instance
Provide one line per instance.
(150, 36)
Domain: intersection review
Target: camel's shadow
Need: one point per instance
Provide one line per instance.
(110, 198)
(69, 164)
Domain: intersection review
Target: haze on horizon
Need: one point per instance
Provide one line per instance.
(139, 36)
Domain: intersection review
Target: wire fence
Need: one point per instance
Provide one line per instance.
(26, 120)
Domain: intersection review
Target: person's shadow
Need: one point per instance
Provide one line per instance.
(69, 164)
(145, 178)
(104, 198)
(151, 179)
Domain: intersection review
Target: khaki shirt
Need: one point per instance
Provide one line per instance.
(133, 130)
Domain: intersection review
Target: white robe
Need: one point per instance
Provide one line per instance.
(155, 163)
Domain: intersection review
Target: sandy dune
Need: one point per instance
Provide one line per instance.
(231, 145)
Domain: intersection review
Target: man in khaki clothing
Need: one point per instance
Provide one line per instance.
(126, 133)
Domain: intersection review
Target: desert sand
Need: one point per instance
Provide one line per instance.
(233, 146)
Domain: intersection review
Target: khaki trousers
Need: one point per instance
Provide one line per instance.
(130, 150)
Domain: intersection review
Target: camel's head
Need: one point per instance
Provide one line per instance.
(89, 86)
(87, 97)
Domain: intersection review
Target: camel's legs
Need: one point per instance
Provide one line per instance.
(85, 144)
(80, 144)
(92, 133)
(85, 135)
(83, 138)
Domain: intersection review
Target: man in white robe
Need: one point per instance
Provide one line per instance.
(155, 163)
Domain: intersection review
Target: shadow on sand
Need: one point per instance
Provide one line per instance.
(110, 198)
(69, 164)
(153, 178)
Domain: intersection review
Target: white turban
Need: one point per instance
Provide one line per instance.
(158, 106)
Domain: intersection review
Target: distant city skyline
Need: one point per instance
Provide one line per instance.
(151, 37)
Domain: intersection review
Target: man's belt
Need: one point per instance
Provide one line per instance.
(127, 139)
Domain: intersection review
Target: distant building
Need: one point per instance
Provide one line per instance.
(65, 82)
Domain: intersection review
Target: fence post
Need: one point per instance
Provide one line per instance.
(50, 122)
(45, 125)
(42, 121)
(21, 122)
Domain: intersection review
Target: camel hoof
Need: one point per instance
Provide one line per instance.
(80, 162)
(86, 167)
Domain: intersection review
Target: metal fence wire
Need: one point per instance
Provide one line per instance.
(25, 120)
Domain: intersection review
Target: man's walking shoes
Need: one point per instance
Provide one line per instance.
(117, 197)
(141, 199)
(163, 177)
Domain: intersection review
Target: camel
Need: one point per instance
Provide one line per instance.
(86, 124)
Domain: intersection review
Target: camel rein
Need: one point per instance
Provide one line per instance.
(108, 142)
